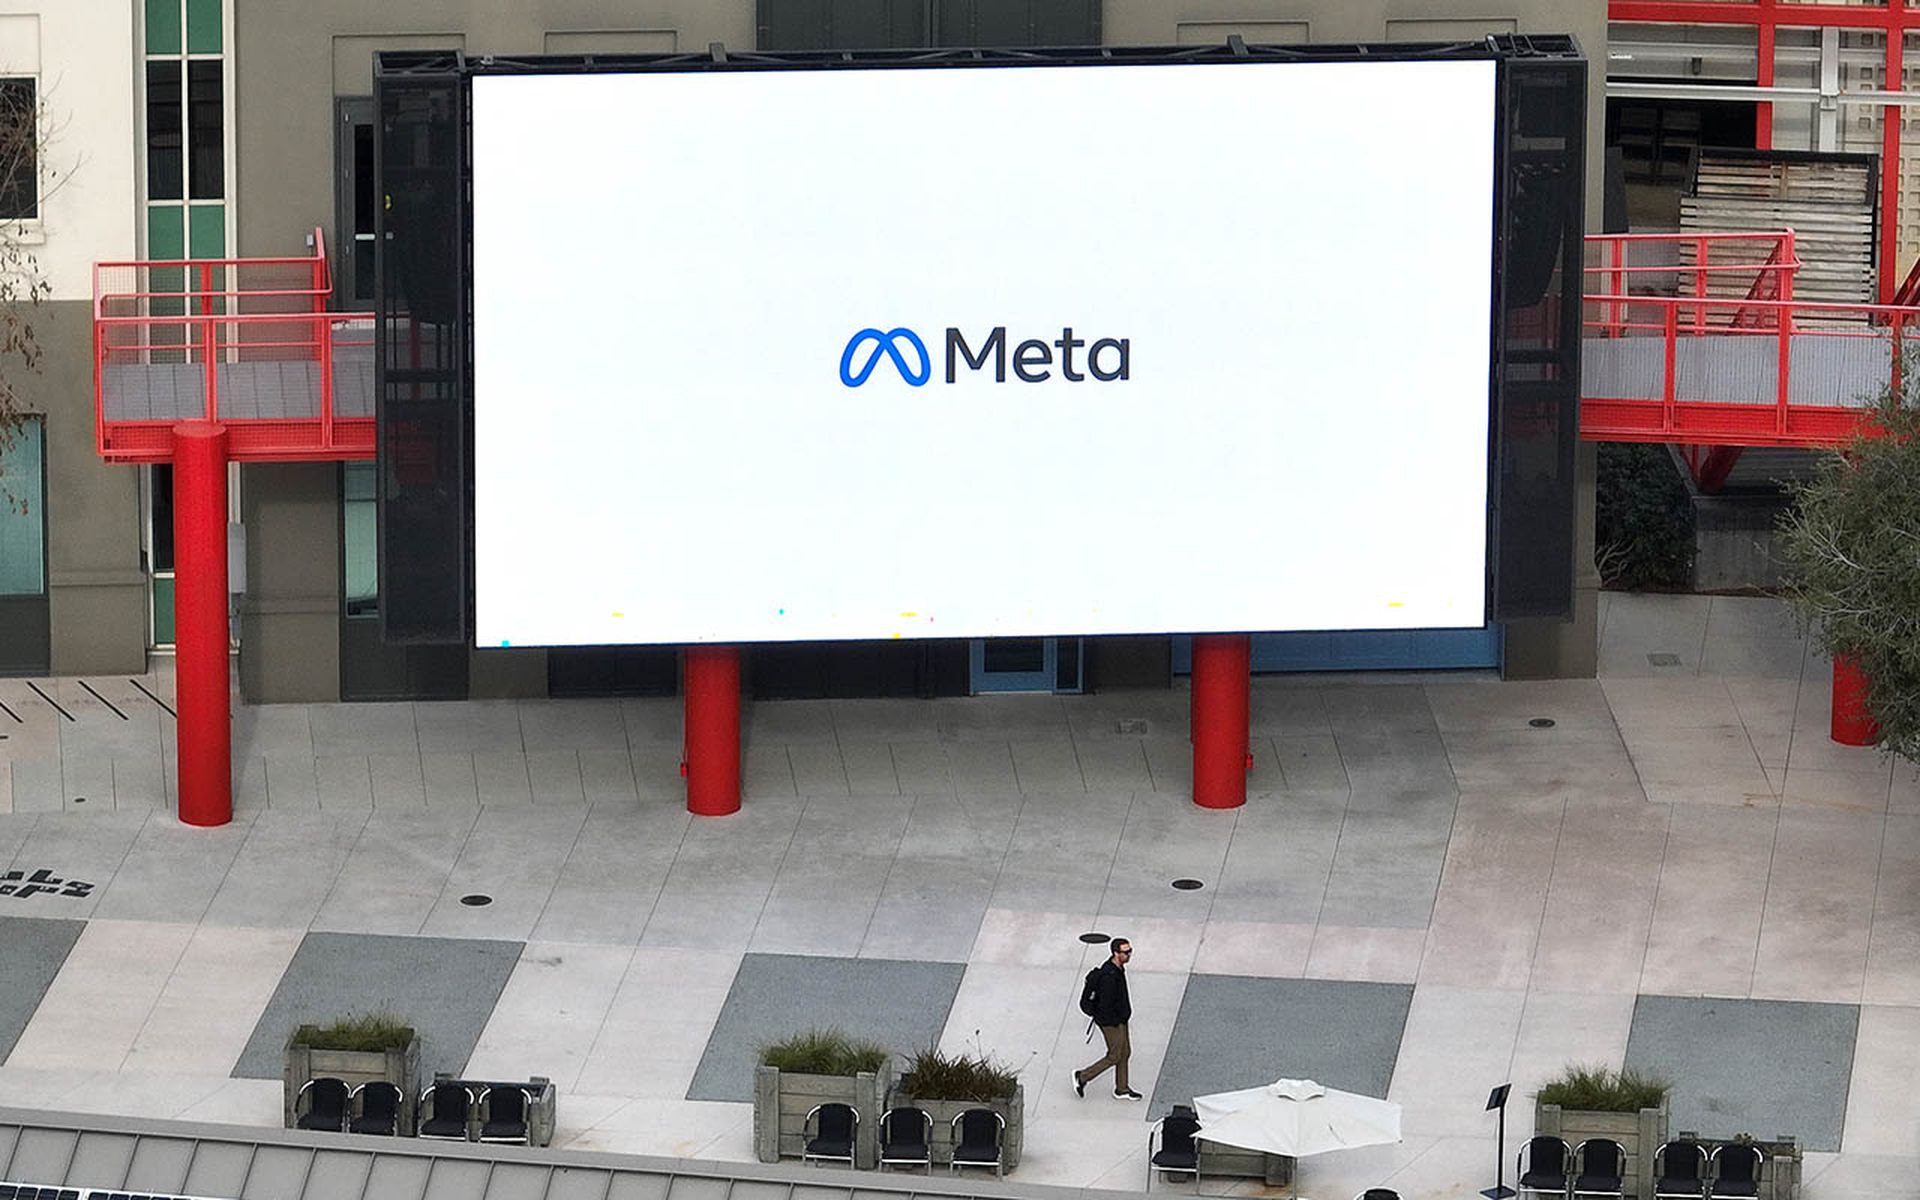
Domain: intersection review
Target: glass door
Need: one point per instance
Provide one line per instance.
(1039, 664)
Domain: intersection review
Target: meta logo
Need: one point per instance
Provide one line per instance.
(1107, 360)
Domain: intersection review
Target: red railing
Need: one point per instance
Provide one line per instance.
(248, 342)
(1716, 351)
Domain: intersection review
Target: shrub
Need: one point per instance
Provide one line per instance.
(365, 1031)
(1643, 520)
(1851, 574)
(1601, 1089)
(823, 1052)
(936, 1076)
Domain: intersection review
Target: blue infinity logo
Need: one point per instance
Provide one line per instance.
(888, 343)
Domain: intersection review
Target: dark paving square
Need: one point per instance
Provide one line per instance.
(901, 1005)
(444, 987)
(32, 951)
(1765, 1067)
(1238, 1032)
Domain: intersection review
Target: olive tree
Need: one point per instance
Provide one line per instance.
(1850, 549)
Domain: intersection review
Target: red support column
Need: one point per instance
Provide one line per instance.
(1853, 723)
(712, 742)
(1222, 677)
(202, 677)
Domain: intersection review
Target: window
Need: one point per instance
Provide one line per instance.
(23, 518)
(166, 148)
(184, 150)
(19, 150)
(206, 161)
(359, 541)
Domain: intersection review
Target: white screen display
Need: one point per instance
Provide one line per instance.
(825, 354)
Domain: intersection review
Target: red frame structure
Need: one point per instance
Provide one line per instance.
(211, 312)
(1895, 18)
(1632, 293)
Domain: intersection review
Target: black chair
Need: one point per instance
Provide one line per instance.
(1178, 1153)
(378, 1109)
(322, 1104)
(1602, 1168)
(1736, 1170)
(445, 1111)
(1543, 1164)
(906, 1138)
(1680, 1170)
(503, 1114)
(832, 1131)
(977, 1137)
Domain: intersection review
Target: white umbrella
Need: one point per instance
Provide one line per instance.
(1296, 1117)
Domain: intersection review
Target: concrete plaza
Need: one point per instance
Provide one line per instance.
(1427, 893)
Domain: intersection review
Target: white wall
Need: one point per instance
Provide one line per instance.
(83, 54)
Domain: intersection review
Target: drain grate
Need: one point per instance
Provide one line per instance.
(1660, 658)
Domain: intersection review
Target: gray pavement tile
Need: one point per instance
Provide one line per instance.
(1387, 866)
(32, 950)
(284, 869)
(444, 987)
(901, 1005)
(1765, 1067)
(172, 872)
(1238, 1032)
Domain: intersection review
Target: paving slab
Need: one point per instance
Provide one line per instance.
(32, 950)
(445, 988)
(1765, 1067)
(901, 1005)
(1239, 1032)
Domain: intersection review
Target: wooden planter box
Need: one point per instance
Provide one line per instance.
(782, 1100)
(944, 1111)
(1640, 1134)
(1233, 1162)
(397, 1065)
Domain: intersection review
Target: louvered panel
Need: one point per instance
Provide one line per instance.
(1828, 203)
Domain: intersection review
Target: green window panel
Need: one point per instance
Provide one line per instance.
(163, 610)
(166, 238)
(203, 26)
(207, 231)
(23, 526)
(166, 231)
(163, 26)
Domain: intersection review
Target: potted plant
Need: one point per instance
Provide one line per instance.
(1594, 1101)
(356, 1049)
(819, 1066)
(946, 1085)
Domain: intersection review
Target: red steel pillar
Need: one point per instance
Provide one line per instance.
(712, 744)
(1222, 680)
(201, 634)
(1853, 723)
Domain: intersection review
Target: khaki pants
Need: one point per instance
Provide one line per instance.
(1118, 1049)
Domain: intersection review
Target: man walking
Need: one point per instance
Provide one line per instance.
(1110, 1009)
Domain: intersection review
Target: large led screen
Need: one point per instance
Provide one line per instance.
(965, 352)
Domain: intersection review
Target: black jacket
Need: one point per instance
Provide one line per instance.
(1110, 1005)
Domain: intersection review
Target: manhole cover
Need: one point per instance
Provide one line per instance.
(1094, 939)
(1661, 658)
(476, 900)
(1188, 885)
(1541, 722)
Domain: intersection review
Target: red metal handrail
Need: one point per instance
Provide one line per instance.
(208, 330)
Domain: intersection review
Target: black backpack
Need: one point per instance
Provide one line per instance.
(1090, 993)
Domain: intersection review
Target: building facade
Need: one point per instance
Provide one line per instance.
(220, 128)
